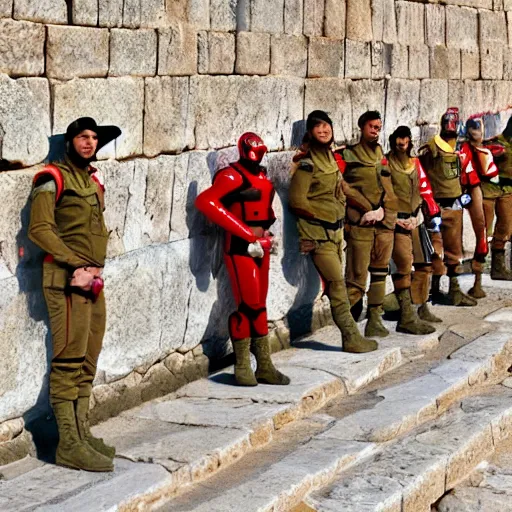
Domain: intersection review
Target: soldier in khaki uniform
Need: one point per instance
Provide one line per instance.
(371, 216)
(441, 162)
(498, 201)
(410, 185)
(316, 196)
(67, 223)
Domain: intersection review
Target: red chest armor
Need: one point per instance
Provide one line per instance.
(252, 202)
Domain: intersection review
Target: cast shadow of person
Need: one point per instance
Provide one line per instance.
(39, 419)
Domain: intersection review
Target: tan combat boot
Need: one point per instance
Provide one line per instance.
(499, 270)
(457, 297)
(477, 292)
(374, 326)
(243, 372)
(82, 420)
(425, 314)
(409, 321)
(72, 452)
(266, 372)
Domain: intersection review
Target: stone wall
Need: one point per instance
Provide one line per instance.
(183, 79)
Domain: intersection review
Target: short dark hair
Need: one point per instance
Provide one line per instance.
(401, 133)
(369, 115)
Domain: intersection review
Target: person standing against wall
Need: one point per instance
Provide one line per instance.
(67, 223)
(316, 197)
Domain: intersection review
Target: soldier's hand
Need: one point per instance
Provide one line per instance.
(82, 278)
(306, 246)
(373, 216)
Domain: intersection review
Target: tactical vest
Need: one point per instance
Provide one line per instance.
(444, 173)
(405, 185)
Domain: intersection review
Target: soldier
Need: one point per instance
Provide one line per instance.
(240, 202)
(478, 167)
(441, 162)
(411, 186)
(317, 198)
(371, 216)
(498, 200)
(67, 223)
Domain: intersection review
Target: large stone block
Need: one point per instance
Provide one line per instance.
(132, 13)
(470, 64)
(503, 94)
(419, 61)
(335, 19)
(252, 53)
(76, 52)
(433, 101)
(365, 95)
(223, 15)
(168, 125)
(219, 120)
(110, 13)
(216, 53)
(333, 96)
(359, 20)
(198, 13)
(435, 25)
(42, 11)
(445, 63)
(399, 61)
(358, 60)
(381, 59)
(40, 90)
(19, 106)
(314, 13)
(491, 61)
(492, 27)
(21, 48)
(477, 4)
(153, 14)
(384, 21)
(288, 55)
(85, 12)
(402, 104)
(325, 57)
(118, 101)
(177, 50)
(267, 16)
(507, 64)
(461, 28)
(133, 52)
(411, 23)
(6, 8)
(294, 17)
(478, 96)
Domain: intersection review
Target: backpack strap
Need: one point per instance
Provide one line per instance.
(51, 171)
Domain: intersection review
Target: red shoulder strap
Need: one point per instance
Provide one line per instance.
(342, 165)
(55, 174)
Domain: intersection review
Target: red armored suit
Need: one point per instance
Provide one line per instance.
(477, 166)
(240, 202)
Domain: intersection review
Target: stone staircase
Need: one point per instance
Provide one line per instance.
(393, 430)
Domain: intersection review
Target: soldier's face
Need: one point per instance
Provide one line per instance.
(322, 132)
(371, 130)
(85, 144)
(402, 144)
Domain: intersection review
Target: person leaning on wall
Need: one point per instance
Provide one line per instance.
(67, 222)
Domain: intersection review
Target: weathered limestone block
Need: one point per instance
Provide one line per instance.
(335, 19)
(359, 20)
(365, 95)
(76, 52)
(402, 104)
(42, 11)
(21, 48)
(293, 16)
(153, 14)
(223, 15)
(493, 27)
(435, 25)
(314, 12)
(477, 4)
(491, 61)
(502, 94)
(433, 101)
(132, 13)
(470, 64)
(384, 21)
(358, 61)
(133, 52)
(411, 23)
(288, 55)
(18, 105)
(118, 101)
(381, 59)
(478, 96)
(177, 50)
(267, 16)
(399, 61)
(198, 13)
(419, 61)
(507, 5)
(40, 90)
(445, 62)
(325, 57)
(333, 96)
(219, 120)
(85, 12)
(6, 9)
(461, 28)
(216, 53)
(168, 124)
(252, 53)
(507, 64)
(110, 13)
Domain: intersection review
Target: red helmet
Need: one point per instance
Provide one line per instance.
(251, 147)
(450, 120)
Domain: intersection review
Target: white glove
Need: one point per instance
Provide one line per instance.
(255, 250)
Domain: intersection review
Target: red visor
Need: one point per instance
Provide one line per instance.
(251, 147)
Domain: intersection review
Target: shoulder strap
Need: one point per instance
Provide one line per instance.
(53, 172)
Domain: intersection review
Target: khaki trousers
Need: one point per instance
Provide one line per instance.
(448, 243)
(403, 258)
